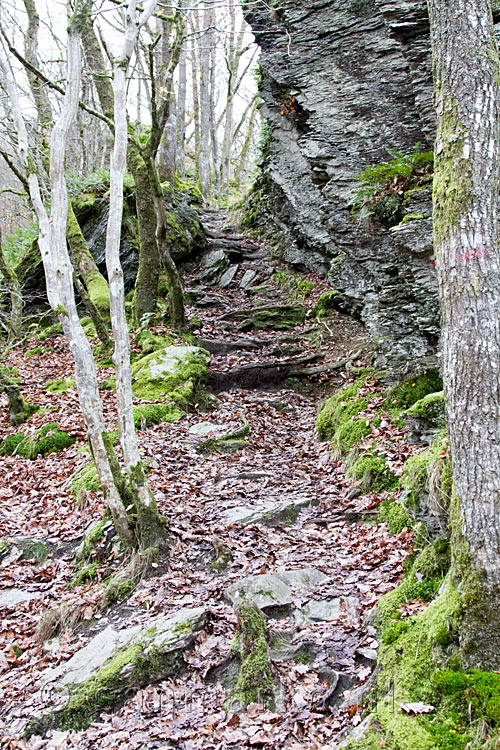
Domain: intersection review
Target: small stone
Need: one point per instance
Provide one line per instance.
(228, 276)
(248, 278)
(12, 597)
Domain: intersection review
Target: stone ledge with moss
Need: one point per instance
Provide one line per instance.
(175, 373)
(112, 667)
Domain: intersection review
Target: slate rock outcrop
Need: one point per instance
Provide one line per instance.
(342, 82)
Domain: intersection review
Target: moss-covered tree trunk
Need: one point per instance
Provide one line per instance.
(467, 75)
(146, 284)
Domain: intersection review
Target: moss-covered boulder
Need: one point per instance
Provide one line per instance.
(325, 304)
(255, 682)
(174, 373)
(339, 419)
(47, 439)
(425, 418)
(114, 665)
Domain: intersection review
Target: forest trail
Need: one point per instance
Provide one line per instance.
(265, 498)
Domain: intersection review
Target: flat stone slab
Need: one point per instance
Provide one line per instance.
(328, 609)
(12, 597)
(268, 513)
(207, 429)
(113, 665)
(270, 591)
(227, 277)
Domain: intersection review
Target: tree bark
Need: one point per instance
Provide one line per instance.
(466, 71)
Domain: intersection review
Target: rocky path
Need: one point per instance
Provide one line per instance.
(260, 514)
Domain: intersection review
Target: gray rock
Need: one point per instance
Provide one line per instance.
(269, 513)
(352, 79)
(12, 597)
(115, 663)
(248, 279)
(202, 429)
(215, 262)
(328, 609)
(163, 370)
(273, 592)
(228, 276)
(367, 653)
(351, 734)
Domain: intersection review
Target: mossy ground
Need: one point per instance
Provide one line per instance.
(372, 473)
(146, 415)
(60, 385)
(47, 439)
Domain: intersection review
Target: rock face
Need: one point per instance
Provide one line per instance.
(342, 82)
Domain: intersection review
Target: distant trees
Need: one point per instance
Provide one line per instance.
(62, 118)
(466, 170)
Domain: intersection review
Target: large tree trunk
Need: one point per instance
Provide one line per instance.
(467, 75)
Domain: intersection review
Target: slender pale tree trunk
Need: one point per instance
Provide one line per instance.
(467, 168)
(149, 529)
(180, 130)
(58, 269)
(96, 284)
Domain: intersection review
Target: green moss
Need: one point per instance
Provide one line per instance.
(86, 480)
(406, 666)
(452, 183)
(151, 342)
(339, 409)
(371, 471)
(33, 549)
(382, 186)
(351, 433)
(148, 414)
(10, 444)
(83, 575)
(305, 655)
(91, 540)
(412, 390)
(88, 327)
(118, 589)
(47, 439)
(98, 290)
(4, 549)
(421, 581)
(429, 409)
(255, 682)
(53, 330)
(411, 217)
(180, 386)
(60, 385)
(34, 352)
(325, 304)
(393, 513)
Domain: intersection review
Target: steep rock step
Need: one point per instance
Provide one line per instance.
(112, 666)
